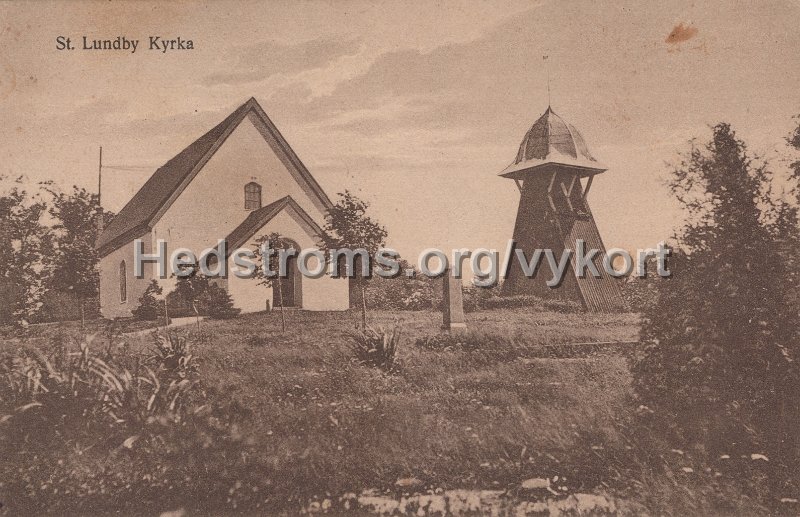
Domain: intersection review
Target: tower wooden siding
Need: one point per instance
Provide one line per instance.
(554, 213)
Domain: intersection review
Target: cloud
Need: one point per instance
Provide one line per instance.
(426, 104)
(264, 59)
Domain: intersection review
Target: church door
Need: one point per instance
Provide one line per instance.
(289, 289)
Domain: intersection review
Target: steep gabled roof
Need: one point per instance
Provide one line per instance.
(157, 194)
(258, 218)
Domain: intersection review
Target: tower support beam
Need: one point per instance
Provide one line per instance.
(588, 186)
(550, 191)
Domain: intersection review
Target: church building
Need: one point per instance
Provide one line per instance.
(239, 181)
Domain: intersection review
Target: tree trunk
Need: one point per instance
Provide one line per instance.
(280, 299)
(83, 315)
(166, 314)
(363, 303)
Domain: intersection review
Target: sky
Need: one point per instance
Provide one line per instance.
(413, 106)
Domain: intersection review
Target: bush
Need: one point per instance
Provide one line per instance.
(466, 341)
(528, 301)
(401, 293)
(481, 298)
(67, 394)
(415, 294)
(475, 297)
(377, 348)
(9, 294)
(719, 372)
(66, 306)
(220, 304)
(150, 308)
(123, 434)
(190, 296)
(640, 293)
(172, 357)
(197, 295)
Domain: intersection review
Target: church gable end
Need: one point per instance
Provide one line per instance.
(156, 199)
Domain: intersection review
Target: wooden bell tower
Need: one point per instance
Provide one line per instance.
(554, 172)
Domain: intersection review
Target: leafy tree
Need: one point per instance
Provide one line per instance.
(150, 308)
(25, 242)
(220, 304)
(638, 292)
(75, 231)
(10, 293)
(349, 227)
(720, 370)
(786, 220)
(794, 142)
(271, 264)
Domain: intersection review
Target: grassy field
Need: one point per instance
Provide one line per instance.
(450, 419)
(305, 423)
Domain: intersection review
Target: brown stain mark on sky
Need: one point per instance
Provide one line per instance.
(681, 33)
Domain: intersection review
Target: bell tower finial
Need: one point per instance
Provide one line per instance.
(547, 65)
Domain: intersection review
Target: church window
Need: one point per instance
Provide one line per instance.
(123, 282)
(252, 196)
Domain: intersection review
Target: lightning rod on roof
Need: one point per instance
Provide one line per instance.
(99, 215)
(100, 175)
(547, 65)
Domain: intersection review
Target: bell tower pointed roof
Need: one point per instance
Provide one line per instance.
(553, 141)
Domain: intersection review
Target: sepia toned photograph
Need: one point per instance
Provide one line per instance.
(372, 258)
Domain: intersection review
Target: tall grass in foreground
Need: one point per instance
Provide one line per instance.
(76, 428)
(66, 388)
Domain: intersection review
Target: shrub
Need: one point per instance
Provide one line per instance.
(190, 296)
(534, 302)
(377, 348)
(172, 357)
(66, 394)
(480, 298)
(401, 293)
(475, 297)
(81, 435)
(66, 306)
(640, 293)
(220, 304)
(150, 308)
(9, 295)
(719, 373)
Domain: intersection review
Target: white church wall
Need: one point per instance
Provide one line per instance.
(318, 294)
(109, 267)
(212, 205)
(326, 294)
